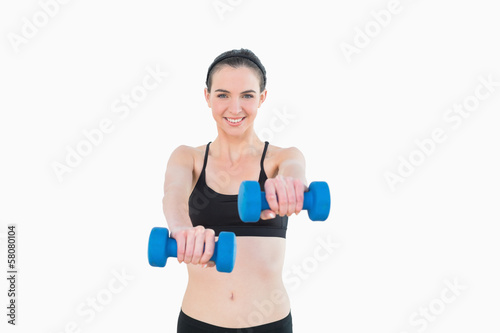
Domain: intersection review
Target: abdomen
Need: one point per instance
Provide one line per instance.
(252, 294)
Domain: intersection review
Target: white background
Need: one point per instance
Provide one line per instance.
(352, 120)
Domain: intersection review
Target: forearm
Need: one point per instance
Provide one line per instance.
(194, 245)
(293, 165)
(176, 210)
(176, 189)
(294, 170)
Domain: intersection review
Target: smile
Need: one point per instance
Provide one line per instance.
(234, 121)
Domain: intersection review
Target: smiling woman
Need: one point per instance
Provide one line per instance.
(238, 106)
(200, 201)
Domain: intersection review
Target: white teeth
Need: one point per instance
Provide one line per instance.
(234, 121)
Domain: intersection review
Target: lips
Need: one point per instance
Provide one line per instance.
(234, 121)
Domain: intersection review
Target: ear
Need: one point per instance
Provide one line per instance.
(207, 97)
(262, 97)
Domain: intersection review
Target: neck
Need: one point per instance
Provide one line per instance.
(233, 147)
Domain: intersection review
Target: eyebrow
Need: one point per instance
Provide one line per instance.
(243, 92)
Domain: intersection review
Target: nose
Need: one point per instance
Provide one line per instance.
(235, 106)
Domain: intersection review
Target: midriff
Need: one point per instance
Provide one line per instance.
(252, 294)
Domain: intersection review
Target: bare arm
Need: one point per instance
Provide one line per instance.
(194, 244)
(293, 164)
(178, 183)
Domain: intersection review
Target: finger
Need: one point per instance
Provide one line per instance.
(282, 196)
(199, 244)
(181, 245)
(267, 214)
(272, 199)
(190, 239)
(209, 246)
(299, 195)
(290, 192)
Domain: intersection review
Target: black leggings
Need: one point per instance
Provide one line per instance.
(187, 324)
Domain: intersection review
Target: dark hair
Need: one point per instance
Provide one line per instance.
(236, 59)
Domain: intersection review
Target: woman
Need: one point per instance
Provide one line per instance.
(201, 186)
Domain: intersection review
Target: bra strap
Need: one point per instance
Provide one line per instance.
(206, 158)
(263, 155)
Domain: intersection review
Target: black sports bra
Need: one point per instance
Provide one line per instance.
(220, 211)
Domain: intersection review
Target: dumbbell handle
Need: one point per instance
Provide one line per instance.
(308, 201)
(172, 249)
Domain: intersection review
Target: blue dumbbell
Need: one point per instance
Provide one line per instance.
(161, 247)
(251, 201)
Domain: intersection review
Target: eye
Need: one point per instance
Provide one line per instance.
(248, 96)
(221, 95)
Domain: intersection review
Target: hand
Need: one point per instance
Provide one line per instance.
(195, 245)
(285, 196)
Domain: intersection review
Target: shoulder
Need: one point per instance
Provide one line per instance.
(187, 154)
(188, 150)
(285, 154)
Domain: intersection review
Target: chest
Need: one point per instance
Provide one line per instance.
(224, 177)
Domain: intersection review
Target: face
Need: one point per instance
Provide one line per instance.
(234, 99)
